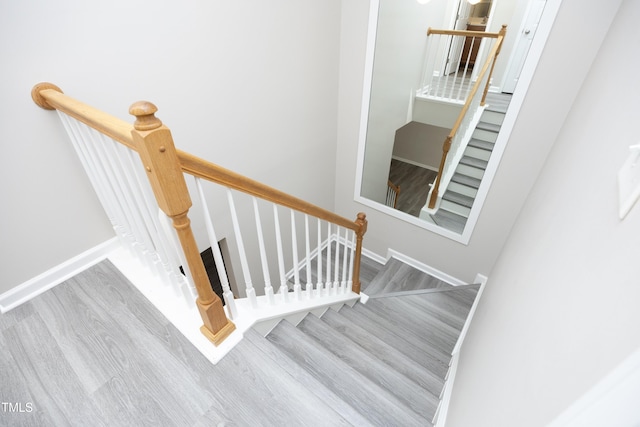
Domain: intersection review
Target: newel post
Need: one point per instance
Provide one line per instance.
(158, 154)
(361, 221)
(436, 186)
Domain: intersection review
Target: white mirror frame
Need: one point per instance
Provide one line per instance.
(535, 51)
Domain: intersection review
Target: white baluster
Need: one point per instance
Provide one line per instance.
(334, 286)
(284, 289)
(217, 255)
(251, 293)
(309, 284)
(294, 248)
(268, 288)
(320, 285)
(345, 255)
(327, 285)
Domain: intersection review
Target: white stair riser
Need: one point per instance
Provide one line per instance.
(462, 189)
(455, 208)
(477, 153)
(485, 135)
(470, 171)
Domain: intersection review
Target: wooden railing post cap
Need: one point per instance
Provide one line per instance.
(39, 99)
(144, 111)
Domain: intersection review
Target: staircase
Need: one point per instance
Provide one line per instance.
(381, 363)
(459, 196)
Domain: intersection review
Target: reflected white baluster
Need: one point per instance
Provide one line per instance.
(251, 293)
(297, 288)
(217, 255)
(309, 285)
(320, 285)
(345, 256)
(268, 288)
(284, 289)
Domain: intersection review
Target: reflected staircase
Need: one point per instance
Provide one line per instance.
(461, 192)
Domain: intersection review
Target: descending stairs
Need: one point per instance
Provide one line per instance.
(460, 194)
(383, 363)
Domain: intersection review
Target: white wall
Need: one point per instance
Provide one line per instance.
(560, 310)
(250, 85)
(560, 70)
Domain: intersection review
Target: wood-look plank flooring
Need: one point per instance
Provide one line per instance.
(414, 185)
(94, 352)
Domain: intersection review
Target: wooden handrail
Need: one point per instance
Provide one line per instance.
(154, 144)
(465, 33)
(490, 62)
(49, 96)
(201, 168)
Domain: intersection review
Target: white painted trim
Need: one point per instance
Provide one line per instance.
(426, 268)
(483, 282)
(443, 408)
(56, 275)
(414, 163)
(612, 401)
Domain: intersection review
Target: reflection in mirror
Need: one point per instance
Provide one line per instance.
(428, 96)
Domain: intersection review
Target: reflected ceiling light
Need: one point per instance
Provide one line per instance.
(473, 1)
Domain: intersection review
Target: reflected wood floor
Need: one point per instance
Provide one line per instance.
(414, 185)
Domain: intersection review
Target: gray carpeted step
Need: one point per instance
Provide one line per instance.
(458, 198)
(483, 145)
(466, 180)
(473, 162)
(449, 220)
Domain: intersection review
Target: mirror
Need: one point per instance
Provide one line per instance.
(400, 146)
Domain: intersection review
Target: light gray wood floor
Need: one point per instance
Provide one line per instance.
(414, 185)
(94, 352)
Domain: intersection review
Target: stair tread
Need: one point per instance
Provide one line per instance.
(372, 401)
(269, 384)
(446, 307)
(407, 391)
(390, 355)
(483, 145)
(449, 220)
(431, 342)
(473, 162)
(414, 349)
(458, 198)
(422, 325)
(469, 181)
(308, 381)
(397, 276)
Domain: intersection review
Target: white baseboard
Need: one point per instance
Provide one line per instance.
(426, 268)
(56, 275)
(414, 163)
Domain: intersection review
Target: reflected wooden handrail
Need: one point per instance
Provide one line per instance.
(488, 66)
